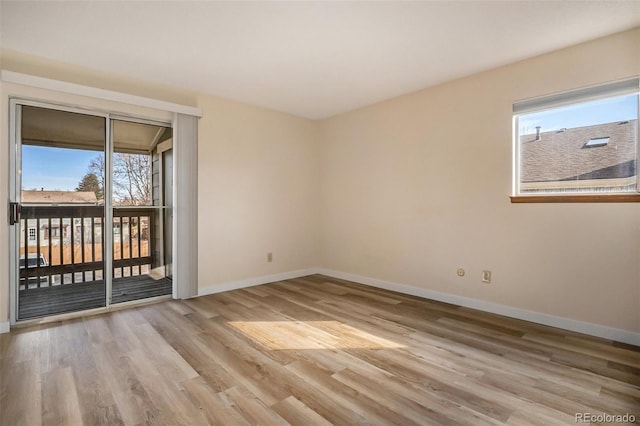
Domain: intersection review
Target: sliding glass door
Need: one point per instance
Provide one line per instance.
(89, 210)
(61, 244)
(138, 187)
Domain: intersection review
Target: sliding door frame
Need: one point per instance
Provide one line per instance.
(15, 183)
(15, 135)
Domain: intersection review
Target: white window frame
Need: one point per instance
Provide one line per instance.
(624, 87)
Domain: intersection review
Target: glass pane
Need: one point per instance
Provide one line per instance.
(589, 147)
(140, 267)
(61, 245)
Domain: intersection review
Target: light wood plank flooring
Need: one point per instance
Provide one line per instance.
(310, 351)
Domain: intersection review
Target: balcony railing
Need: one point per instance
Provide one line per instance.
(61, 245)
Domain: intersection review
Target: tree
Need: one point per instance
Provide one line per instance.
(131, 179)
(96, 166)
(91, 183)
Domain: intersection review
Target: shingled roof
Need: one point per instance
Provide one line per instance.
(560, 158)
(59, 197)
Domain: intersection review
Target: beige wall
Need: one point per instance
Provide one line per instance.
(12, 60)
(415, 187)
(257, 192)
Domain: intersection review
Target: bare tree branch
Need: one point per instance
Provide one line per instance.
(131, 178)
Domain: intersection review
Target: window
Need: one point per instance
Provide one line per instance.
(32, 234)
(583, 142)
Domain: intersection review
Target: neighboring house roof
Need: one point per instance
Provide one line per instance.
(59, 197)
(564, 155)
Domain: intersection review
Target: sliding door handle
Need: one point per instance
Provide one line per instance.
(14, 213)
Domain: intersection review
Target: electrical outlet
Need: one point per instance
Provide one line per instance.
(486, 277)
(269, 257)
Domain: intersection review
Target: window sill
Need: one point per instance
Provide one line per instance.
(591, 198)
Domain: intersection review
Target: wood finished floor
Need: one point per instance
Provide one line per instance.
(310, 351)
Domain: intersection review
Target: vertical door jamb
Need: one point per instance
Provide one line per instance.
(107, 273)
(15, 124)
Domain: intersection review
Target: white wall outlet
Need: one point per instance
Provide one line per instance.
(486, 277)
(460, 272)
(269, 257)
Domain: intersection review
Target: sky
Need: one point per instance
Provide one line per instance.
(54, 169)
(585, 114)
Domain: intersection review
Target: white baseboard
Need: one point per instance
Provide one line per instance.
(591, 329)
(250, 282)
(4, 327)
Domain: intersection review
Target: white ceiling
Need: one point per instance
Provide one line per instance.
(311, 59)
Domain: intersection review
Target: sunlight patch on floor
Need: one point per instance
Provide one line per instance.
(291, 335)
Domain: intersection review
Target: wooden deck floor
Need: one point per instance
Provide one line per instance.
(310, 351)
(58, 299)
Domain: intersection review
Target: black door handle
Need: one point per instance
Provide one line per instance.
(14, 213)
